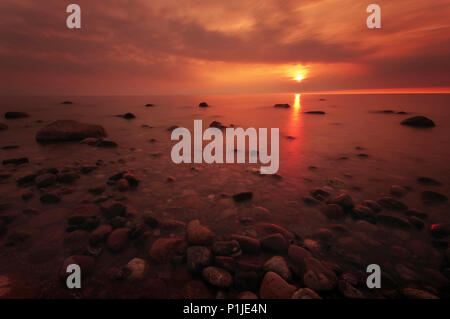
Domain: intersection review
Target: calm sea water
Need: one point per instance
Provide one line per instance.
(396, 155)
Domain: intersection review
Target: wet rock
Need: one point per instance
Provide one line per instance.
(418, 121)
(217, 277)
(343, 200)
(118, 239)
(413, 293)
(319, 194)
(26, 180)
(164, 249)
(68, 130)
(264, 229)
(50, 198)
(416, 222)
(227, 263)
(305, 293)
(246, 279)
(317, 276)
(282, 106)
(247, 295)
(82, 214)
(114, 210)
(217, 124)
(137, 268)
(278, 265)
(364, 213)
(132, 179)
(241, 197)
(397, 190)
(198, 257)
(416, 213)
(347, 289)
(275, 287)
(315, 112)
(322, 234)
(46, 180)
(428, 181)
(77, 242)
(310, 201)
(100, 234)
(391, 203)
(97, 190)
(333, 211)
(274, 243)
(297, 255)
(248, 244)
(198, 235)
(203, 104)
(15, 115)
(393, 220)
(227, 248)
(441, 230)
(433, 197)
(16, 161)
(106, 144)
(123, 185)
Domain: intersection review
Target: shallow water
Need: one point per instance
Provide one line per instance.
(397, 155)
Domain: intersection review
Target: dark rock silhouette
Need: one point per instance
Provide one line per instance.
(68, 130)
(418, 121)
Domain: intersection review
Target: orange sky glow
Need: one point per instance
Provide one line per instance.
(234, 46)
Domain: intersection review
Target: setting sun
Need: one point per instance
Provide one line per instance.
(299, 77)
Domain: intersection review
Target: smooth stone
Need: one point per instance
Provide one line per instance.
(297, 255)
(364, 213)
(418, 121)
(226, 248)
(274, 286)
(392, 203)
(373, 205)
(274, 243)
(333, 211)
(100, 234)
(317, 276)
(68, 130)
(198, 235)
(138, 268)
(278, 265)
(397, 190)
(163, 249)
(227, 263)
(393, 220)
(349, 291)
(343, 200)
(305, 293)
(217, 277)
(198, 257)
(118, 239)
(248, 244)
(263, 229)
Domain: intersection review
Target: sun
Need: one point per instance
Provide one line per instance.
(299, 77)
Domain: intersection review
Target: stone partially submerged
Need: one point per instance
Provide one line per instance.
(68, 131)
(418, 121)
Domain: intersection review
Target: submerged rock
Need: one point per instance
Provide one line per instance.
(241, 197)
(305, 293)
(217, 277)
(67, 131)
(16, 161)
(315, 112)
(118, 239)
(197, 258)
(203, 104)
(198, 235)
(163, 249)
(137, 268)
(317, 276)
(393, 220)
(283, 106)
(333, 211)
(278, 265)
(275, 243)
(392, 203)
(15, 115)
(343, 200)
(428, 181)
(274, 286)
(418, 121)
(433, 197)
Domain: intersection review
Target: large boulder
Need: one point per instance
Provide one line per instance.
(67, 131)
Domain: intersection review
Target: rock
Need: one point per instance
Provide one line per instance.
(198, 235)
(333, 211)
(68, 178)
(322, 234)
(433, 197)
(315, 112)
(137, 268)
(198, 257)
(114, 210)
(347, 289)
(106, 144)
(97, 190)
(83, 214)
(274, 243)
(247, 295)
(227, 263)
(46, 180)
(241, 197)
(16, 161)
(227, 248)
(15, 115)
(118, 239)
(100, 234)
(310, 201)
(67, 102)
(275, 287)
(441, 230)
(68, 130)
(163, 249)
(343, 200)
(413, 293)
(283, 106)
(417, 222)
(203, 104)
(392, 203)
(248, 244)
(418, 121)
(217, 124)
(397, 190)
(129, 116)
(428, 181)
(123, 185)
(278, 265)
(77, 242)
(317, 276)
(373, 205)
(393, 220)
(319, 193)
(3, 127)
(365, 213)
(50, 198)
(298, 255)
(416, 213)
(267, 228)
(132, 179)
(217, 277)
(305, 293)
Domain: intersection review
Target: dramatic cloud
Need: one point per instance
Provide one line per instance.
(169, 46)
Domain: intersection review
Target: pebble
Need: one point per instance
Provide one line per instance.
(305, 293)
(198, 235)
(227, 248)
(317, 276)
(248, 244)
(198, 257)
(118, 239)
(50, 198)
(227, 263)
(138, 268)
(278, 265)
(163, 249)
(349, 291)
(274, 286)
(333, 211)
(392, 203)
(217, 277)
(274, 243)
(393, 220)
(343, 200)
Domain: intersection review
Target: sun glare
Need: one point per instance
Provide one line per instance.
(299, 77)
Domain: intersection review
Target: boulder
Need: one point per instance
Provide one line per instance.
(67, 131)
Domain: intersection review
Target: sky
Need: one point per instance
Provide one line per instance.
(127, 47)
